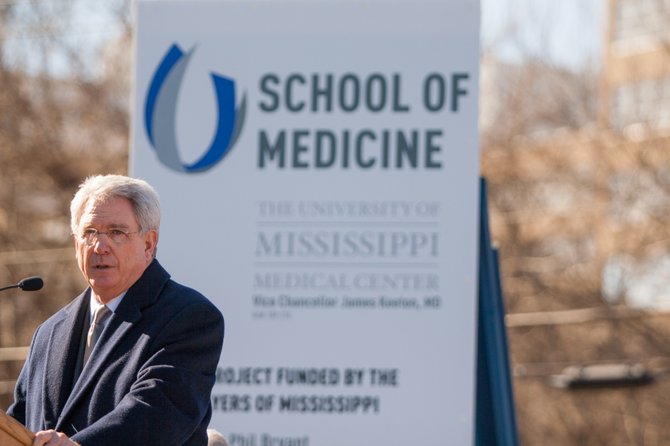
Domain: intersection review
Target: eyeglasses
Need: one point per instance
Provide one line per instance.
(117, 236)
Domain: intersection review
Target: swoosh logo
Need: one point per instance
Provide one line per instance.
(160, 114)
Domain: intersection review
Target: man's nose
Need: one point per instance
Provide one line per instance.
(101, 244)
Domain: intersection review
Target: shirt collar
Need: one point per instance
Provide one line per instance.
(112, 304)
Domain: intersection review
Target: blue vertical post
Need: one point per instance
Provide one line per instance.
(495, 418)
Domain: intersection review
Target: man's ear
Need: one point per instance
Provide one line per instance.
(150, 241)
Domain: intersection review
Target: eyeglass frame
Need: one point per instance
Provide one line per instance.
(91, 235)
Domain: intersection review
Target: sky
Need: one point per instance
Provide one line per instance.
(569, 33)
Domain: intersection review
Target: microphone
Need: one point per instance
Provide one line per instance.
(33, 283)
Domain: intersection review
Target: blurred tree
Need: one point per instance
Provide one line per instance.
(64, 116)
(579, 213)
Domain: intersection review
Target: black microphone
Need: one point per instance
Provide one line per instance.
(33, 283)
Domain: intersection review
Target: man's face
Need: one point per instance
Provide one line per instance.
(109, 267)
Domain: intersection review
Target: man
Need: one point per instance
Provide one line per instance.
(147, 379)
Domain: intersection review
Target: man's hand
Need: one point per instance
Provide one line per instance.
(52, 438)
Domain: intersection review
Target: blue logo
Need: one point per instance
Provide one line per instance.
(161, 107)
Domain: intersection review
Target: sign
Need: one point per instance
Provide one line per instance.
(318, 170)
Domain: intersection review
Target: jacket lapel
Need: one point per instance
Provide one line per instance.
(62, 359)
(144, 292)
(113, 333)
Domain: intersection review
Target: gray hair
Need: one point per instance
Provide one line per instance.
(101, 188)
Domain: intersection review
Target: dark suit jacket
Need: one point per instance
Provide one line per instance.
(149, 378)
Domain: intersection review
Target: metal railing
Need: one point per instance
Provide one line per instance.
(13, 353)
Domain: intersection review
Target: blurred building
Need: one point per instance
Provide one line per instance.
(635, 103)
(591, 198)
(635, 86)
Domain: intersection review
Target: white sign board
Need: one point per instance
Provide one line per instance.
(318, 170)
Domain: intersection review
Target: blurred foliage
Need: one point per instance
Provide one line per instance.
(579, 212)
(57, 126)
